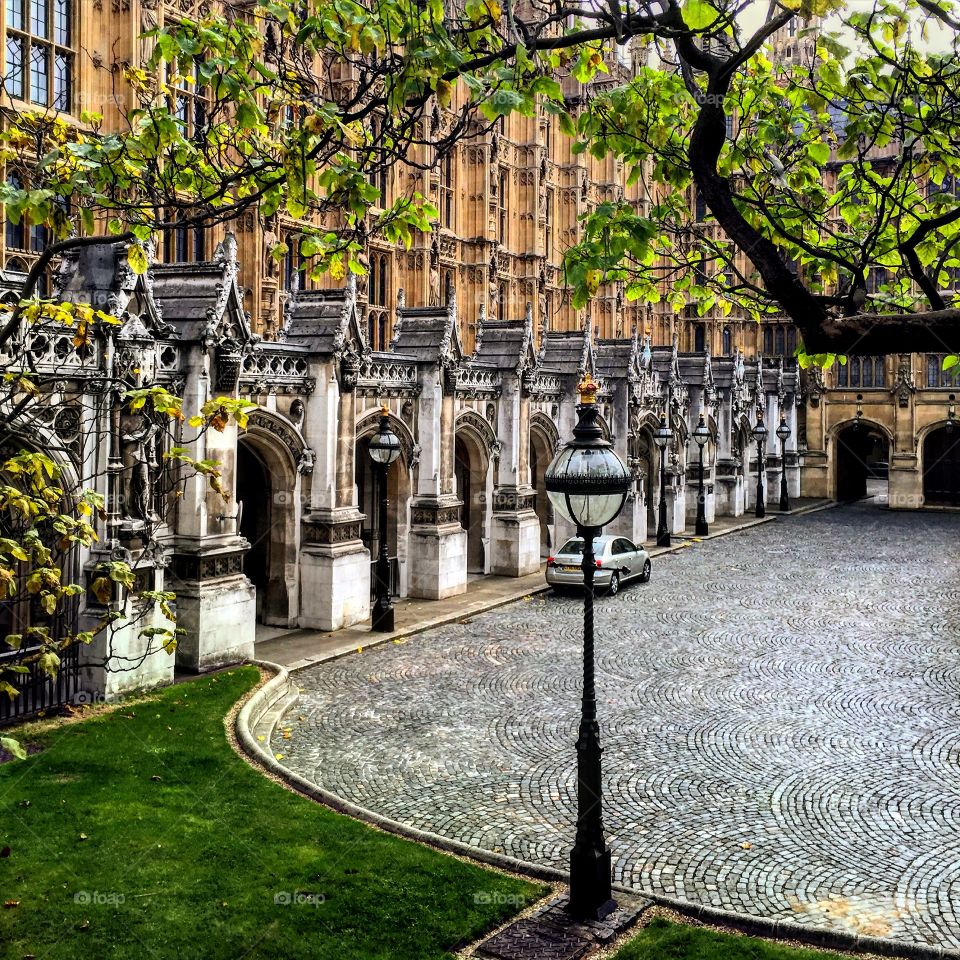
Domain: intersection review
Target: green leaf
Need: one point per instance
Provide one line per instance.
(950, 362)
(698, 14)
(137, 258)
(819, 152)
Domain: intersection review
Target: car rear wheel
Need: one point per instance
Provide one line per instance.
(645, 573)
(614, 587)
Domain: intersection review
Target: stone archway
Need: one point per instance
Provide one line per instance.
(644, 456)
(861, 454)
(399, 492)
(543, 445)
(472, 465)
(268, 491)
(941, 466)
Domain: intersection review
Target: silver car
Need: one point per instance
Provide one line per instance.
(618, 560)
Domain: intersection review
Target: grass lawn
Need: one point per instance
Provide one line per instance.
(663, 940)
(140, 833)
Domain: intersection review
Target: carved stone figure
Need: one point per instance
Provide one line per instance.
(138, 451)
(270, 241)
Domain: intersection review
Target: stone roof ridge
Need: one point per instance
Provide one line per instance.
(429, 333)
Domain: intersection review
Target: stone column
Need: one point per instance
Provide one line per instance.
(438, 544)
(514, 526)
(216, 603)
(334, 563)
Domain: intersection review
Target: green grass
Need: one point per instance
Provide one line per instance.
(663, 940)
(183, 850)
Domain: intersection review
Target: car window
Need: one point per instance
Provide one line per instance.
(574, 546)
(622, 546)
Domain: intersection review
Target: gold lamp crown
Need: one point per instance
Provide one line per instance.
(587, 389)
(384, 410)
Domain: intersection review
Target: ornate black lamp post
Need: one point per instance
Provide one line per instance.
(588, 484)
(701, 434)
(783, 435)
(384, 449)
(760, 435)
(662, 439)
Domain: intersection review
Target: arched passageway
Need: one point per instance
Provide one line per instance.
(646, 463)
(941, 466)
(265, 498)
(368, 496)
(541, 455)
(472, 490)
(862, 461)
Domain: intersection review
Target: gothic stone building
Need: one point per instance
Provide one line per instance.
(468, 338)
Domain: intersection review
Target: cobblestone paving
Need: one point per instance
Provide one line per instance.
(780, 713)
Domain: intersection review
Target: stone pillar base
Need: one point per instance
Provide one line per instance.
(677, 510)
(334, 586)
(216, 605)
(728, 495)
(334, 572)
(905, 483)
(121, 661)
(438, 550)
(515, 543)
(815, 476)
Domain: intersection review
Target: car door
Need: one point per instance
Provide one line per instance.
(636, 557)
(623, 556)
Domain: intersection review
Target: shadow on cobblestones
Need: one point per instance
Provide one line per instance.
(780, 717)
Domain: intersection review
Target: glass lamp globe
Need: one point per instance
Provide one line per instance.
(587, 482)
(760, 430)
(783, 431)
(663, 435)
(701, 434)
(384, 445)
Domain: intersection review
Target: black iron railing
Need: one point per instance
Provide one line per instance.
(35, 690)
(394, 578)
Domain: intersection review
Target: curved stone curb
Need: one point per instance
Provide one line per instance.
(281, 686)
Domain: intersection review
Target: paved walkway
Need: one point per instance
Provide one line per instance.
(780, 713)
(301, 648)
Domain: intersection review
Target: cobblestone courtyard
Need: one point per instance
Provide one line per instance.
(780, 713)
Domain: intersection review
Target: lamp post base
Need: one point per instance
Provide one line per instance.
(590, 888)
(381, 620)
(702, 528)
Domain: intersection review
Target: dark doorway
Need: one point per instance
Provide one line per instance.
(471, 488)
(540, 457)
(368, 497)
(254, 493)
(863, 462)
(941, 467)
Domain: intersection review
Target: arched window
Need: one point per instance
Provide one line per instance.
(868, 373)
(699, 337)
(446, 189)
(700, 207)
(16, 233)
(39, 52)
(780, 341)
(503, 186)
(727, 342)
(768, 340)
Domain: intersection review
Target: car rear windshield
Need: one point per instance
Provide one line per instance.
(574, 546)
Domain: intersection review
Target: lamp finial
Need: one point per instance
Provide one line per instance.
(587, 390)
